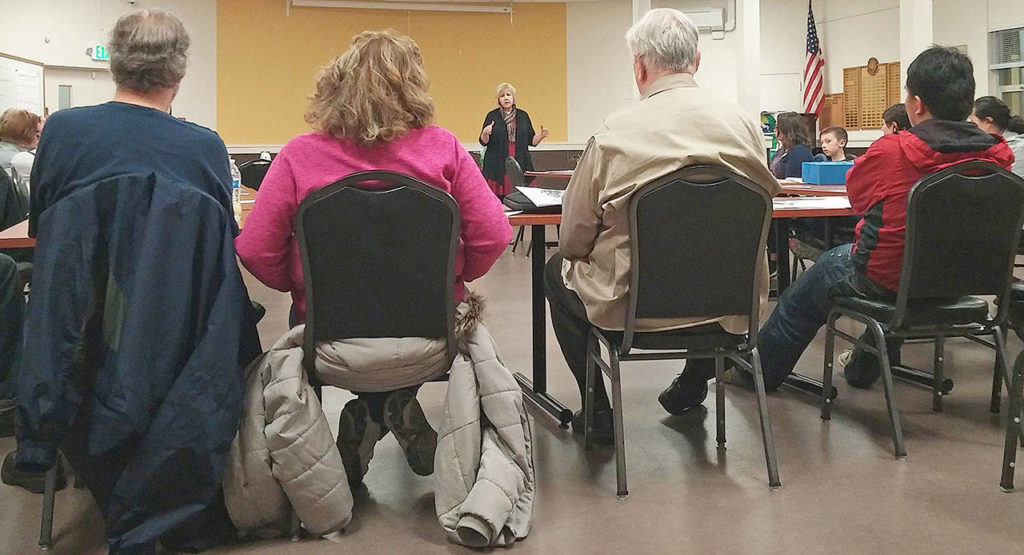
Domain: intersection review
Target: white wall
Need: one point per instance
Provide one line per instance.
(599, 76)
(600, 71)
(57, 32)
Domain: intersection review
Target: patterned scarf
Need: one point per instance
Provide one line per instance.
(510, 123)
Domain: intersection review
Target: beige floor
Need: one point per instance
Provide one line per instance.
(842, 489)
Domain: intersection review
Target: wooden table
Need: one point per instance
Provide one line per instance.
(536, 389)
(16, 236)
(810, 189)
(560, 174)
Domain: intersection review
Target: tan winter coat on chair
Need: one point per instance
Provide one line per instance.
(483, 467)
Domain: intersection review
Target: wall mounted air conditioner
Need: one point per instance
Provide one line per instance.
(707, 19)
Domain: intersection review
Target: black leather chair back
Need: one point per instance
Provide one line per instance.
(253, 172)
(514, 172)
(696, 238)
(963, 227)
(378, 255)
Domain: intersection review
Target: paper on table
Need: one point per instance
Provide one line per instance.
(808, 203)
(513, 212)
(791, 180)
(542, 197)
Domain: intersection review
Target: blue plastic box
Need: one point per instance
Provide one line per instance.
(826, 173)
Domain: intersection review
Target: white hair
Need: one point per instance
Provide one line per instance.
(666, 39)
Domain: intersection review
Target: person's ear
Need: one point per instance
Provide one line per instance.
(696, 65)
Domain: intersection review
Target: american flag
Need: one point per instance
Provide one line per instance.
(814, 68)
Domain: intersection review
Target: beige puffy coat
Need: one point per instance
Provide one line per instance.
(483, 468)
(284, 454)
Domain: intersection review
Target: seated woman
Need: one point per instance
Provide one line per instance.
(371, 112)
(788, 160)
(19, 132)
(992, 116)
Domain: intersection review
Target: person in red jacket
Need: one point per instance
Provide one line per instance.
(940, 93)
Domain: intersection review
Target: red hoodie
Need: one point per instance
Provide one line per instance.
(880, 180)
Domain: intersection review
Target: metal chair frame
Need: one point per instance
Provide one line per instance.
(939, 332)
(621, 352)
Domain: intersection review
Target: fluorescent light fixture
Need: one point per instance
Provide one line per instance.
(415, 6)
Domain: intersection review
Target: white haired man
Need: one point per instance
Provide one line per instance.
(675, 124)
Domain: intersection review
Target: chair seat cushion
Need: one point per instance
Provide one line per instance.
(938, 312)
(706, 337)
(1017, 304)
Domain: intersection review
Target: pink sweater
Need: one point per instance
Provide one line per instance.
(269, 249)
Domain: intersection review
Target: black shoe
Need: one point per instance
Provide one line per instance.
(32, 481)
(861, 370)
(7, 423)
(603, 432)
(686, 392)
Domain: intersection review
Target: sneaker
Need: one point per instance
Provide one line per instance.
(803, 250)
(357, 436)
(404, 417)
(603, 432)
(34, 482)
(856, 376)
(685, 393)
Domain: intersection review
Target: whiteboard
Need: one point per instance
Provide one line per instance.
(21, 84)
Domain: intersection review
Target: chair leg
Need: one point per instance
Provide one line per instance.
(937, 373)
(620, 442)
(49, 493)
(1000, 338)
(997, 375)
(830, 351)
(1012, 425)
(593, 350)
(296, 528)
(720, 399)
(890, 389)
(767, 438)
(519, 237)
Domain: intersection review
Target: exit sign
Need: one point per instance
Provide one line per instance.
(99, 52)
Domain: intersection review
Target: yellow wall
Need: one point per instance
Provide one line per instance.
(267, 63)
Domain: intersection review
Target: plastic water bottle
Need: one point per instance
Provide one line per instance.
(236, 191)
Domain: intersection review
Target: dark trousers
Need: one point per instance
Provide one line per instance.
(572, 328)
(12, 315)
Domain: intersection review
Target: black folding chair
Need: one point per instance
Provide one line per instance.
(518, 179)
(378, 256)
(675, 221)
(253, 172)
(963, 224)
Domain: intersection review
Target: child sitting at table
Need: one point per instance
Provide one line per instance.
(833, 144)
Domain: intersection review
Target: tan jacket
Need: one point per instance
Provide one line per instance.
(284, 455)
(677, 124)
(484, 482)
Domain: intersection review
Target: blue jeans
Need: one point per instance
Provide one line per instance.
(803, 308)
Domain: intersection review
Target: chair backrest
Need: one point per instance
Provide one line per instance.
(696, 239)
(514, 172)
(253, 172)
(14, 201)
(963, 226)
(378, 256)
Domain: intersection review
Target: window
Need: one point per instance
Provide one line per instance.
(1006, 61)
(63, 96)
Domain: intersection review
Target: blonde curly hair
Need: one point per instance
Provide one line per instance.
(373, 93)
